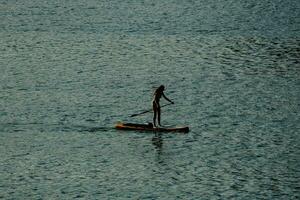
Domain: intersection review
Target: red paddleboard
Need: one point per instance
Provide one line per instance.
(149, 127)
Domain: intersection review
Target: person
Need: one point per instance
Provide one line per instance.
(159, 92)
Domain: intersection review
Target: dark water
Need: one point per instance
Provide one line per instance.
(71, 69)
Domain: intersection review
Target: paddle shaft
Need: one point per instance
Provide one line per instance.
(148, 110)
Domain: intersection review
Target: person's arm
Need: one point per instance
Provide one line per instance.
(167, 98)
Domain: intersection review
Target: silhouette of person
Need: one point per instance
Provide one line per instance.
(159, 92)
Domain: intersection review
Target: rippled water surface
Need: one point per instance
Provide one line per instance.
(71, 69)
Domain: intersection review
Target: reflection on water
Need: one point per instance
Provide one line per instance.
(157, 141)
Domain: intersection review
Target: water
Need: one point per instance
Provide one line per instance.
(71, 69)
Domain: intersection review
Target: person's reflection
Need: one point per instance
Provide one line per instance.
(157, 142)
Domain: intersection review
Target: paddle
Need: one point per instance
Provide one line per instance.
(148, 110)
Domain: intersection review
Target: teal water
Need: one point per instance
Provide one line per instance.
(71, 69)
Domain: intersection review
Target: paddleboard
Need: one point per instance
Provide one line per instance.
(149, 127)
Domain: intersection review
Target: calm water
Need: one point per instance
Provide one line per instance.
(71, 69)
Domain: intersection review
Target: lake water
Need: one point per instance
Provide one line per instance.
(70, 70)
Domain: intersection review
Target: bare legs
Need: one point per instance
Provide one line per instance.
(156, 110)
(158, 116)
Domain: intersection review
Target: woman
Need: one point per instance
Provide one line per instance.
(155, 102)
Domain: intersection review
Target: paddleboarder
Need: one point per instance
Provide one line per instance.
(159, 92)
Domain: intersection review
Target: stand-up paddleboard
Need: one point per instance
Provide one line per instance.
(149, 127)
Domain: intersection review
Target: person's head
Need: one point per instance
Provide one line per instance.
(161, 88)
